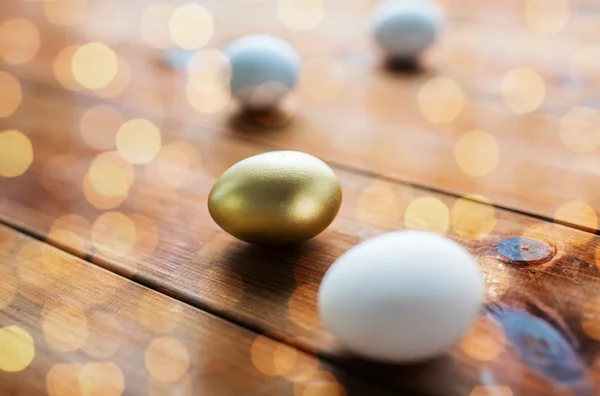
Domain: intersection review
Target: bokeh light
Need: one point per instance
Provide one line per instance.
(98, 199)
(106, 21)
(272, 358)
(154, 25)
(101, 378)
(284, 358)
(177, 165)
(99, 126)
(11, 95)
(63, 380)
(580, 129)
(586, 164)
(17, 349)
(138, 141)
(441, 100)
(427, 213)
(577, 212)
(207, 64)
(263, 96)
(63, 70)
(545, 17)
(379, 206)
(491, 390)
(590, 318)
(71, 231)
(118, 85)
(191, 26)
(301, 14)
(182, 387)
(322, 78)
(303, 307)
(295, 365)
(113, 234)
(523, 90)
(53, 266)
(29, 270)
(105, 335)
(472, 220)
(209, 75)
(585, 61)
(485, 340)
(19, 41)
(16, 153)
(65, 328)
(94, 65)
(171, 313)
(262, 354)
(322, 383)
(9, 287)
(167, 359)
(477, 153)
(65, 12)
(109, 176)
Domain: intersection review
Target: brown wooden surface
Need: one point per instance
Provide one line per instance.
(71, 328)
(538, 333)
(274, 291)
(375, 122)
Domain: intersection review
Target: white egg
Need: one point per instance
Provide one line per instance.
(264, 69)
(404, 28)
(403, 296)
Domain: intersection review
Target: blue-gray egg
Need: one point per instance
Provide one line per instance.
(405, 28)
(264, 69)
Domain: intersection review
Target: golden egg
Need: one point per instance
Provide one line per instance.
(276, 198)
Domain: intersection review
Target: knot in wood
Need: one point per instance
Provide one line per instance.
(525, 251)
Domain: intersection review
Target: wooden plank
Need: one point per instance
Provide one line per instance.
(163, 237)
(376, 123)
(187, 258)
(470, 43)
(70, 328)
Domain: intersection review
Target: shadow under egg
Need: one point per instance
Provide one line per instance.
(260, 120)
(267, 271)
(414, 376)
(403, 66)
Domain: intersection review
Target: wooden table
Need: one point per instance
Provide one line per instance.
(115, 281)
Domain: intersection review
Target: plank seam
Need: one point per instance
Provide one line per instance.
(199, 305)
(333, 164)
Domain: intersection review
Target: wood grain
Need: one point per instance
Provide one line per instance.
(538, 334)
(181, 252)
(71, 328)
(375, 122)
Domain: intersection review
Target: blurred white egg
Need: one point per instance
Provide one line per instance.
(264, 69)
(403, 296)
(405, 28)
